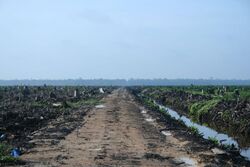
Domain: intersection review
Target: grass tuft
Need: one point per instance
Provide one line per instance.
(214, 141)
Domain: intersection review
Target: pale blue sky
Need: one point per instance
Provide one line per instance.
(59, 39)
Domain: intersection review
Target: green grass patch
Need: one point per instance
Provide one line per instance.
(4, 149)
(214, 141)
(195, 131)
(227, 116)
(150, 103)
(5, 157)
(9, 160)
(245, 95)
(200, 108)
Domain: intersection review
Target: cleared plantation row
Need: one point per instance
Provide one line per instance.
(26, 109)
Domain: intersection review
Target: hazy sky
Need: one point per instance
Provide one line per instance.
(56, 39)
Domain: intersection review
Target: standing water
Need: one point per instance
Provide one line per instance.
(208, 132)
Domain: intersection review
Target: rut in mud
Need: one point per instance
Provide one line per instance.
(119, 133)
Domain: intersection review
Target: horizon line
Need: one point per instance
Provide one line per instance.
(63, 79)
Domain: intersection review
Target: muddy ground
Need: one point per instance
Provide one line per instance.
(121, 132)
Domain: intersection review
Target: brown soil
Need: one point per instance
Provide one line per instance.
(118, 134)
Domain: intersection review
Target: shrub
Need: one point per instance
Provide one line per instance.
(213, 140)
(194, 131)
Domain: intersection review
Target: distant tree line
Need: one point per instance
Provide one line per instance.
(123, 82)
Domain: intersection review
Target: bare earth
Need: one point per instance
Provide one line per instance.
(116, 134)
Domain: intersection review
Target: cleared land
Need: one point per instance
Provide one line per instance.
(121, 132)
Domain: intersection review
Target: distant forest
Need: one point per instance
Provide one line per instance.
(123, 82)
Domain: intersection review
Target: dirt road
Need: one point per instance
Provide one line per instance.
(117, 133)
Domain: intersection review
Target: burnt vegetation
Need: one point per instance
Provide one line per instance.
(25, 109)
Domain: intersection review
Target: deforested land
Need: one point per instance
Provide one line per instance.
(124, 126)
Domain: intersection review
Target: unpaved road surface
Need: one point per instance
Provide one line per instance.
(117, 133)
